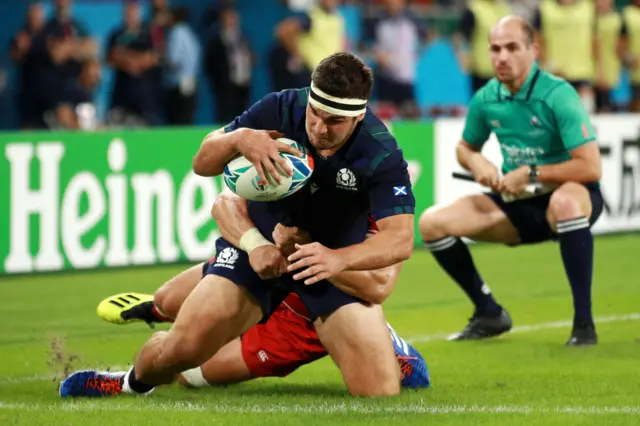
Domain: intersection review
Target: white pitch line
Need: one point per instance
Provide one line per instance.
(324, 408)
(416, 339)
(534, 327)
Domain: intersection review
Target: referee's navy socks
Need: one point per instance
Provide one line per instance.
(576, 247)
(454, 257)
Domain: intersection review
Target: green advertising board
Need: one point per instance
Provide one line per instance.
(121, 198)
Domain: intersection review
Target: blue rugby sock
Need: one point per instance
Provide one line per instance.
(454, 257)
(576, 247)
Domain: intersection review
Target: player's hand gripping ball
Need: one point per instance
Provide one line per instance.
(241, 176)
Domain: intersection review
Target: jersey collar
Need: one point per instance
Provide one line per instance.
(525, 91)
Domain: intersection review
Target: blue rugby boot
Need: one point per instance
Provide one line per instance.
(413, 368)
(90, 383)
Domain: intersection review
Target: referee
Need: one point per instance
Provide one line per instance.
(546, 140)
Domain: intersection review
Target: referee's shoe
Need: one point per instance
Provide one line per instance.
(583, 334)
(483, 327)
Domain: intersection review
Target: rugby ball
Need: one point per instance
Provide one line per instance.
(241, 176)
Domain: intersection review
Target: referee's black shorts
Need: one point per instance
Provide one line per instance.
(529, 216)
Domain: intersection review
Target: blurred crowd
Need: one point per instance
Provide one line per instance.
(155, 66)
(159, 62)
(587, 42)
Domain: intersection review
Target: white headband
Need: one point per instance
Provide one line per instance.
(334, 105)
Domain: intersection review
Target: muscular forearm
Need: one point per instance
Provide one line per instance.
(232, 217)
(215, 152)
(371, 286)
(386, 248)
(573, 170)
(465, 155)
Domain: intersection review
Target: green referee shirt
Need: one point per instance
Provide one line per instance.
(539, 124)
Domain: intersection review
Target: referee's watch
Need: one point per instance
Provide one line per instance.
(534, 172)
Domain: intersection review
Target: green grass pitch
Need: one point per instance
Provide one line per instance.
(525, 377)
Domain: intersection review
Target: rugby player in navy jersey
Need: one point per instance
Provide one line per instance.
(359, 170)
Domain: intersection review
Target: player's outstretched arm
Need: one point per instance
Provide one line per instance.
(217, 148)
(392, 205)
(391, 245)
(258, 146)
(371, 286)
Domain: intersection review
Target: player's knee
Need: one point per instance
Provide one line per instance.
(159, 298)
(166, 302)
(389, 387)
(162, 302)
(568, 202)
(431, 226)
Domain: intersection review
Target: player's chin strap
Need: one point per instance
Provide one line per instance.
(334, 105)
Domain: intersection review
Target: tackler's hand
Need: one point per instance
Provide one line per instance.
(262, 149)
(320, 262)
(268, 262)
(286, 237)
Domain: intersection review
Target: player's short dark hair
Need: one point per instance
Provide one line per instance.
(343, 75)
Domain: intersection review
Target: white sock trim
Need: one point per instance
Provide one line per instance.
(127, 389)
(125, 383)
(441, 244)
(195, 377)
(572, 224)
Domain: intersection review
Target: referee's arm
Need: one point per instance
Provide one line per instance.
(476, 133)
(578, 137)
(476, 130)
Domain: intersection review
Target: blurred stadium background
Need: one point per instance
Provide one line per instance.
(104, 102)
(430, 45)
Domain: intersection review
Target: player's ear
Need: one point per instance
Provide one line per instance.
(360, 118)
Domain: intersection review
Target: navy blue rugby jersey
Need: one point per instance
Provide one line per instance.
(368, 175)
